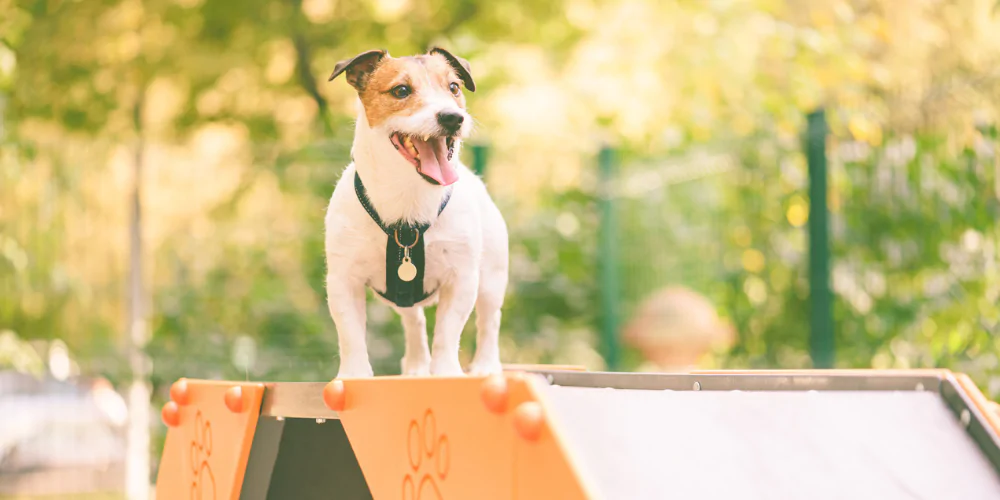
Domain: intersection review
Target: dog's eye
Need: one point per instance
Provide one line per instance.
(454, 88)
(401, 91)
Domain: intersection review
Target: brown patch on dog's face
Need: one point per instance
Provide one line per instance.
(402, 86)
(417, 103)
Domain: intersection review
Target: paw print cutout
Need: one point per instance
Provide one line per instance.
(202, 478)
(429, 459)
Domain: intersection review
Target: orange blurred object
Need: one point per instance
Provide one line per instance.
(528, 420)
(179, 392)
(674, 328)
(494, 393)
(171, 414)
(334, 396)
(234, 399)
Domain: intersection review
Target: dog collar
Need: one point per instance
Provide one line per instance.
(404, 252)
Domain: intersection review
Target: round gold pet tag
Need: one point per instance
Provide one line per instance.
(407, 271)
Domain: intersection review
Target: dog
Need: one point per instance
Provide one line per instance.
(409, 221)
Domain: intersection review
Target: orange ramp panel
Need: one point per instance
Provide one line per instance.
(431, 438)
(211, 428)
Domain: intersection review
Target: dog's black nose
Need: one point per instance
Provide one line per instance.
(450, 121)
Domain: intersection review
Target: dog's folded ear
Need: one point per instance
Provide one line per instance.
(358, 67)
(461, 66)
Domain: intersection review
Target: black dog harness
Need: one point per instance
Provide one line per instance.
(404, 253)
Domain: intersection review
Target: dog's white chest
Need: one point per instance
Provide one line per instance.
(452, 245)
(441, 260)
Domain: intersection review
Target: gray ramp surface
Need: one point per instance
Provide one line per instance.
(645, 444)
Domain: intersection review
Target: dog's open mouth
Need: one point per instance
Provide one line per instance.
(430, 154)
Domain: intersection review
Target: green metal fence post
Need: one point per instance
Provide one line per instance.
(479, 152)
(821, 344)
(608, 260)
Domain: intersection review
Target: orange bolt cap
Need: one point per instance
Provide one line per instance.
(234, 399)
(528, 420)
(179, 392)
(171, 414)
(334, 395)
(494, 393)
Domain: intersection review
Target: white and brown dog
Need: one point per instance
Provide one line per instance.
(410, 221)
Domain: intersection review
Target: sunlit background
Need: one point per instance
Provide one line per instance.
(649, 157)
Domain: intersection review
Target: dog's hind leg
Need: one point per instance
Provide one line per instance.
(492, 288)
(488, 304)
(417, 359)
(454, 308)
(487, 358)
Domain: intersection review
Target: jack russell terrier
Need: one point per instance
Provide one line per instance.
(408, 220)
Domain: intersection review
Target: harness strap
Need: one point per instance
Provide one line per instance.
(404, 240)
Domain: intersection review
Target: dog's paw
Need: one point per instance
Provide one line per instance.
(355, 370)
(443, 368)
(480, 367)
(416, 367)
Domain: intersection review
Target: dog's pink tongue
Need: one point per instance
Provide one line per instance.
(434, 162)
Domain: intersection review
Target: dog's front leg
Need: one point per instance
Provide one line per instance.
(346, 299)
(454, 308)
(417, 358)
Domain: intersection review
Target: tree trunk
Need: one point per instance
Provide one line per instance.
(137, 468)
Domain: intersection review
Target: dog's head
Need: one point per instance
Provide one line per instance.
(417, 103)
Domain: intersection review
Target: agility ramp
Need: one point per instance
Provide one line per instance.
(561, 434)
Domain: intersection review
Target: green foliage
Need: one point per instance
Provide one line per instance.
(243, 139)
(18, 355)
